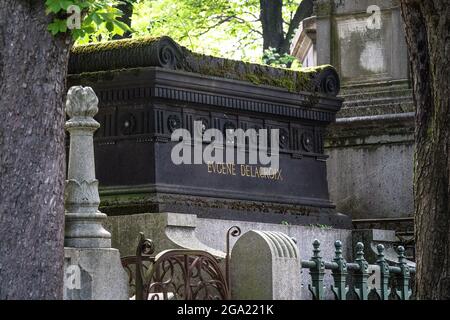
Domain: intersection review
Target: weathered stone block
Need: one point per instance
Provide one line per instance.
(94, 274)
(265, 265)
(167, 230)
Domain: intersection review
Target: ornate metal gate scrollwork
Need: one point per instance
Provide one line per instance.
(176, 274)
(187, 275)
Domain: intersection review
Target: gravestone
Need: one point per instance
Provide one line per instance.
(265, 265)
(148, 88)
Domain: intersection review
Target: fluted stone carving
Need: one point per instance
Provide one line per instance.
(83, 219)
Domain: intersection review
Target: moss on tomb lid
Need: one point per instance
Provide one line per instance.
(114, 45)
(259, 74)
(166, 53)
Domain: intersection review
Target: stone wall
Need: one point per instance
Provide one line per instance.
(382, 171)
(370, 165)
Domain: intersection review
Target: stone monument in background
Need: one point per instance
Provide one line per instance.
(371, 144)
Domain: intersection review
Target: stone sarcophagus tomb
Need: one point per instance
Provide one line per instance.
(149, 88)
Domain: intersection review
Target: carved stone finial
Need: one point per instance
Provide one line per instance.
(81, 102)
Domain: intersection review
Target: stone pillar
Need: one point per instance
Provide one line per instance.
(92, 268)
(83, 220)
(323, 11)
(265, 265)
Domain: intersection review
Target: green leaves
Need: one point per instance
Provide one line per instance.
(228, 28)
(97, 18)
(57, 26)
(273, 58)
(55, 6)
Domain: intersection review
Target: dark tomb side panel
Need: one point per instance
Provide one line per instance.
(138, 112)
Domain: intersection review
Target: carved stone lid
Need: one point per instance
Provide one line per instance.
(165, 53)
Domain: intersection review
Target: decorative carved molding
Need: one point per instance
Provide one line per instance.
(243, 104)
(308, 141)
(173, 122)
(294, 137)
(128, 123)
(328, 82)
(125, 54)
(284, 139)
(82, 194)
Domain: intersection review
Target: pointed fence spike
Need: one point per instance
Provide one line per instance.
(403, 277)
(317, 273)
(383, 291)
(339, 274)
(360, 276)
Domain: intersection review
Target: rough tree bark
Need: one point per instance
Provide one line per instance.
(271, 16)
(33, 67)
(427, 25)
(272, 23)
(127, 9)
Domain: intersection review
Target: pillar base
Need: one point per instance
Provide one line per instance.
(94, 274)
(85, 230)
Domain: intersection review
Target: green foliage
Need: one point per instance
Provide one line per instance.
(225, 28)
(272, 58)
(99, 18)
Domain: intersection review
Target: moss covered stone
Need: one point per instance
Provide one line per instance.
(123, 44)
(164, 52)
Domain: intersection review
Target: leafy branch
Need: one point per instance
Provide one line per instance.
(94, 16)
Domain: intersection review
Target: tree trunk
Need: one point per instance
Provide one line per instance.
(33, 67)
(127, 9)
(271, 16)
(427, 25)
(304, 10)
(272, 23)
